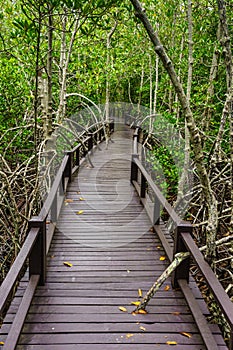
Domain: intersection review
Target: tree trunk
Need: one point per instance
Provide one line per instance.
(228, 107)
(210, 91)
(184, 176)
(107, 100)
(49, 121)
(156, 84)
(64, 62)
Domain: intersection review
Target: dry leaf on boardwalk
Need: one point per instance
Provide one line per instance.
(79, 212)
(140, 311)
(166, 288)
(162, 258)
(68, 264)
(142, 328)
(171, 343)
(185, 334)
(129, 335)
(68, 200)
(140, 293)
(123, 309)
(136, 303)
(176, 313)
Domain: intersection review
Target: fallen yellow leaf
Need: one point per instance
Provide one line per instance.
(79, 212)
(140, 311)
(176, 313)
(162, 258)
(136, 303)
(139, 293)
(171, 343)
(185, 334)
(142, 328)
(66, 263)
(166, 288)
(81, 199)
(123, 309)
(129, 335)
(69, 200)
(2, 343)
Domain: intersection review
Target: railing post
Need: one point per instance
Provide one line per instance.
(134, 169)
(156, 212)
(54, 209)
(77, 157)
(69, 165)
(231, 338)
(90, 142)
(143, 186)
(37, 259)
(182, 271)
(127, 119)
(112, 126)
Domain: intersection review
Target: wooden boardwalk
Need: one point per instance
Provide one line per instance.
(105, 234)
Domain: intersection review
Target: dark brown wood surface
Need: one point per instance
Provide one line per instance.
(105, 234)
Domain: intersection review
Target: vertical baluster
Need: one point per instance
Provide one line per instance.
(156, 212)
(143, 186)
(182, 271)
(37, 259)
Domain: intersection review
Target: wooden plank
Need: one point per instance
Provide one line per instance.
(106, 301)
(112, 347)
(111, 327)
(133, 294)
(110, 338)
(106, 318)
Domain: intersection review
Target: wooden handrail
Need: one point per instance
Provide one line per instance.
(183, 242)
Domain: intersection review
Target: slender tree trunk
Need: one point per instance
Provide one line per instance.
(108, 63)
(210, 91)
(190, 50)
(184, 175)
(228, 108)
(36, 99)
(177, 108)
(49, 71)
(140, 90)
(64, 62)
(156, 84)
(108, 67)
(195, 138)
(151, 95)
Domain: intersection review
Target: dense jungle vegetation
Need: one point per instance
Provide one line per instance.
(59, 56)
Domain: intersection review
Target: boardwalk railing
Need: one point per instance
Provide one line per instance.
(40, 233)
(183, 242)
